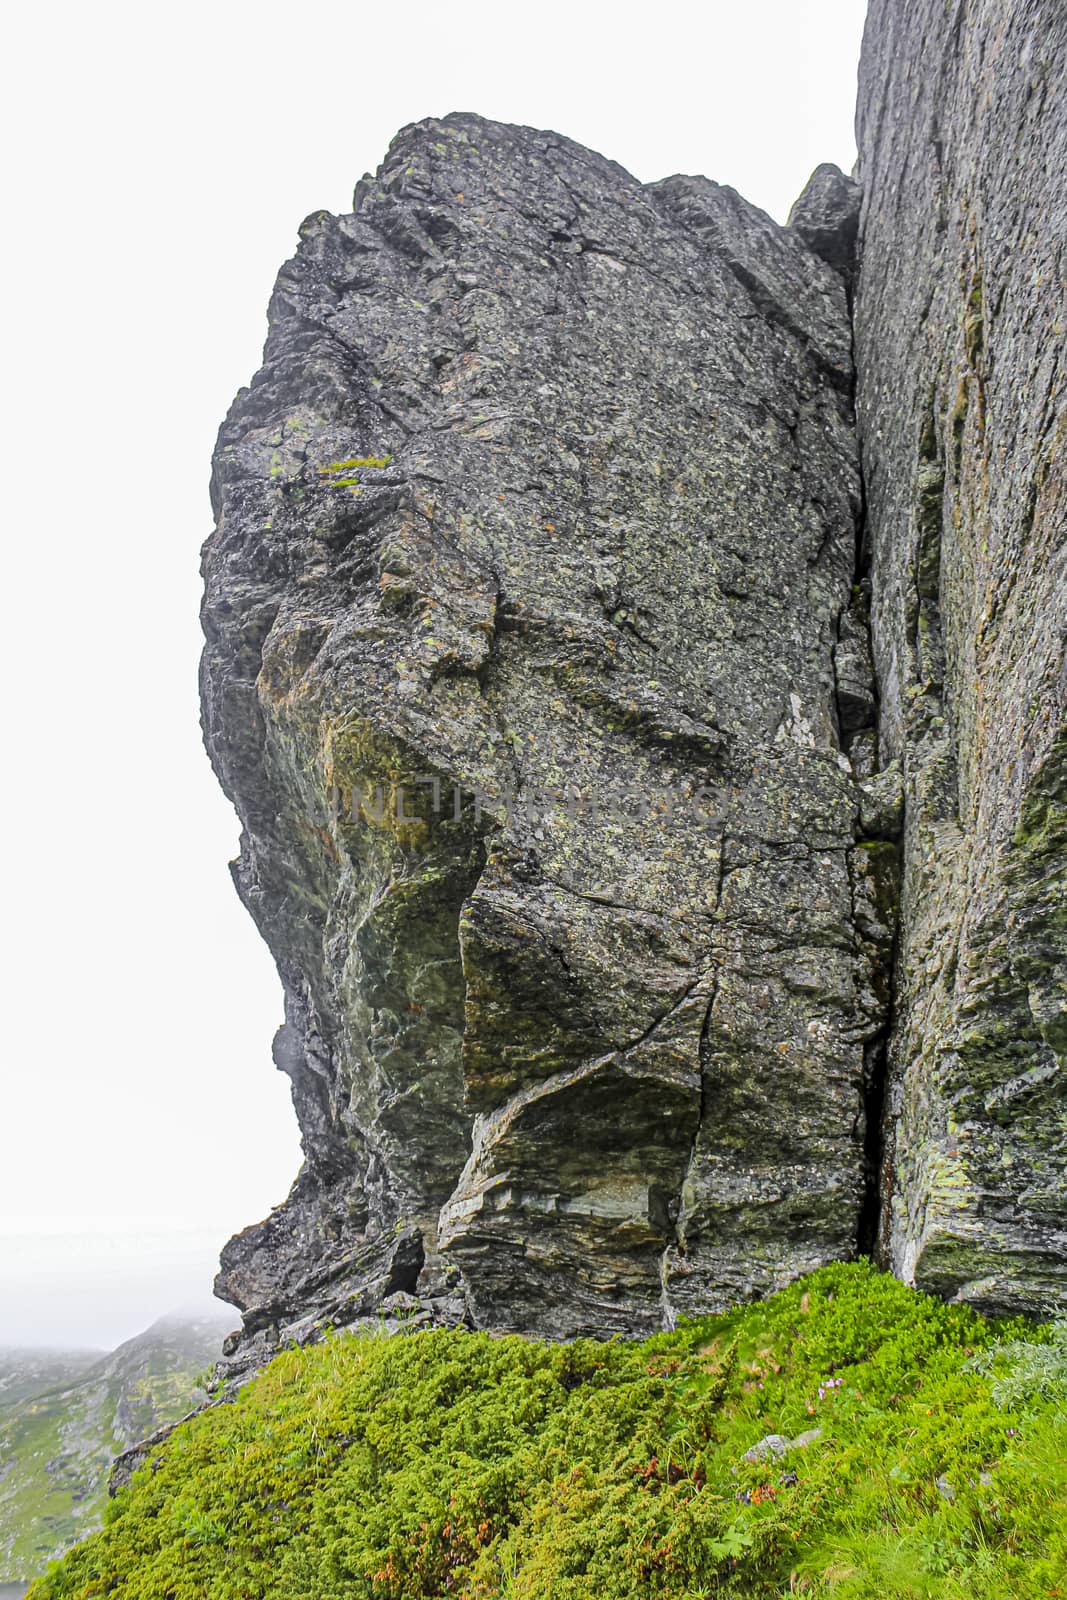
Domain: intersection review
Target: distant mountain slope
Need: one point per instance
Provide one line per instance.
(25, 1373)
(70, 1414)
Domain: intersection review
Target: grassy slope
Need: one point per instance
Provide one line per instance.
(458, 1464)
(57, 1445)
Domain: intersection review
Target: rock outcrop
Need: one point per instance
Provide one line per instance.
(539, 668)
(961, 318)
(535, 546)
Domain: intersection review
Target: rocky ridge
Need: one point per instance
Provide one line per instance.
(539, 619)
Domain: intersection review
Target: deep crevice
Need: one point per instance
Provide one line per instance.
(877, 1173)
(877, 1142)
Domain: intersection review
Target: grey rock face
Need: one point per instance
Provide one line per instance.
(583, 768)
(960, 324)
(533, 660)
(778, 1445)
(827, 217)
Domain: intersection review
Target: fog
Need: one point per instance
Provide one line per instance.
(94, 1286)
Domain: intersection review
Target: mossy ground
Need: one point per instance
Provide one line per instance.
(459, 1464)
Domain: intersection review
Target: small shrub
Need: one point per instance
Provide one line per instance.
(1024, 1370)
(451, 1464)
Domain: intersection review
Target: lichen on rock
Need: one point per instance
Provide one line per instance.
(960, 320)
(592, 1030)
(658, 826)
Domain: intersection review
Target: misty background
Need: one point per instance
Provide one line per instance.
(159, 164)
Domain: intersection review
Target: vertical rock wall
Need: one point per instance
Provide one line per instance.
(533, 656)
(539, 616)
(961, 319)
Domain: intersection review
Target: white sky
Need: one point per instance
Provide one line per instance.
(160, 162)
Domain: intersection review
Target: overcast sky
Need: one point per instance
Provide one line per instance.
(160, 161)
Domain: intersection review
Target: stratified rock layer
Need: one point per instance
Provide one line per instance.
(960, 327)
(542, 512)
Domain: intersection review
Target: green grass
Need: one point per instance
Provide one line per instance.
(57, 1441)
(36, 1509)
(458, 1464)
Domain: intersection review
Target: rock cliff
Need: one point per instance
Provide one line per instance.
(960, 327)
(539, 618)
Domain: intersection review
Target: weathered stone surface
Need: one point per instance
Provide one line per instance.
(586, 734)
(827, 217)
(777, 1445)
(960, 325)
(547, 489)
